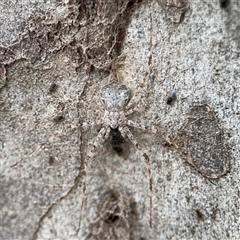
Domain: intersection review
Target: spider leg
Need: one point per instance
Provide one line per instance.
(98, 102)
(90, 108)
(102, 135)
(92, 123)
(140, 88)
(39, 147)
(168, 141)
(153, 130)
(126, 132)
(130, 110)
(88, 83)
(115, 64)
(98, 114)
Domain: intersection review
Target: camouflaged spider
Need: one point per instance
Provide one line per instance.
(115, 98)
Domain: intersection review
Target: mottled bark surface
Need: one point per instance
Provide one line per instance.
(55, 53)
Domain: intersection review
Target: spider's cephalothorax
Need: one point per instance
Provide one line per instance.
(116, 139)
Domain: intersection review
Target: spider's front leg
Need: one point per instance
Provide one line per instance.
(98, 112)
(132, 106)
(86, 125)
(101, 137)
(132, 109)
(126, 132)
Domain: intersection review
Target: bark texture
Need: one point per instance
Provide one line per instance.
(55, 54)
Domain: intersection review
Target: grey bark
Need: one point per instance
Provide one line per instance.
(49, 51)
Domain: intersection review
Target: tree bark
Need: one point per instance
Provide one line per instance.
(56, 57)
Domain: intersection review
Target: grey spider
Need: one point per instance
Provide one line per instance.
(115, 98)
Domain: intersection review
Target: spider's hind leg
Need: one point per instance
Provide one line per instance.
(101, 137)
(153, 130)
(126, 132)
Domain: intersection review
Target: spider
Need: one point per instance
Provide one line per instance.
(115, 99)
